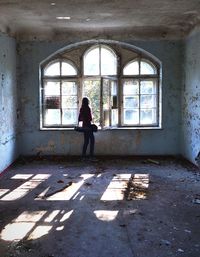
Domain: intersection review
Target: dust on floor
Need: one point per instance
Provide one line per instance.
(112, 207)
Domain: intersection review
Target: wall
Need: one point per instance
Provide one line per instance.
(191, 98)
(8, 102)
(116, 142)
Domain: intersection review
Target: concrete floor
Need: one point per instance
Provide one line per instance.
(113, 207)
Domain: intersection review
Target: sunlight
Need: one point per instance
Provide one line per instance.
(21, 226)
(116, 188)
(22, 176)
(51, 216)
(27, 216)
(3, 191)
(137, 187)
(66, 216)
(39, 231)
(69, 192)
(60, 228)
(106, 215)
(25, 188)
(16, 231)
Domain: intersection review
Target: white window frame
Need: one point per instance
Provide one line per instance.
(119, 78)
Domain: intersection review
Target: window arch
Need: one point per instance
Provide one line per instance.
(123, 91)
(100, 60)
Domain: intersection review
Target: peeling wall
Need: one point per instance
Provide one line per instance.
(8, 102)
(191, 98)
(117, 142)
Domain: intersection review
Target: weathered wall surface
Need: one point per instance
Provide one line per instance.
(119, 142)
(191, 98)
(8, 102)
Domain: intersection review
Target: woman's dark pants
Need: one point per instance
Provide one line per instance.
(88, 137)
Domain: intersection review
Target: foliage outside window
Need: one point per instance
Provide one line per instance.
(120, 96)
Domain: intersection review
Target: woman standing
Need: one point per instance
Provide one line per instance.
(86, 117)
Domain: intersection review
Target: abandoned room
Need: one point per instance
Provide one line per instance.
(129, 189)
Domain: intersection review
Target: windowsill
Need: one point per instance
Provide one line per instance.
(105, 129)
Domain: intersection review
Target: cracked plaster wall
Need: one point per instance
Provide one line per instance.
(116, 142)
(8, 102)
(191, 98)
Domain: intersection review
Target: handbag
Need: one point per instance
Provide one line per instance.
(92, 128)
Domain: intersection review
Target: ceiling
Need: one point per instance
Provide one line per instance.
(145, 18)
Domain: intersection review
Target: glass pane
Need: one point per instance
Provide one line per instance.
(106, 118)
(114, 120)
(146, 68)
(113, 88)
(52, 88)
(91, 62)
(108, 62)
(131, 87)
(69, 102)
(52, 102)
(148, 101)
(131, 117)
(69, 117)
(131, 68)
(106, 94)
(147, 87)
(52, 117)
(148, 116)
(67, 69)
(52, 70)
(91, 89)
(131, 101)
(69, 88)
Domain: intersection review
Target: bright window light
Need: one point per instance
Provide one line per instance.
(39, 231)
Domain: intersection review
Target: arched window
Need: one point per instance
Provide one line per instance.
(60, 94)
(140, 93)
(123, 86)
(100, 60)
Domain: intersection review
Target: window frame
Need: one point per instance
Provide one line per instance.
(79, 78)
(59, 78)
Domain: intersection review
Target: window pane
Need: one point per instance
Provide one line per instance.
(131, 117)
(91, 62)
(131, 87)
(67, 69)
(148, 101)
(131, 68)
(69, 101)
(52, 102)
(53, 70)
(147, 87)
(146, 68)
(69, 88)
(148, 116)
(69, 116)
(131, 102)
(52, 88)
(52, 117)
(108, 62)
(114, 119)
(91, 89)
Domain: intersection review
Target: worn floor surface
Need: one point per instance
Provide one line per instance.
(110, 208)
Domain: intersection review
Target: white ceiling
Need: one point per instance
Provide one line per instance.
(153, 18)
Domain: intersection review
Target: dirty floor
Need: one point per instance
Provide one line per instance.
(109, 208)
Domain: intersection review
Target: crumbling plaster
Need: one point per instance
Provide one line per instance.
(117, 142)
(8, 102)
(191, 98)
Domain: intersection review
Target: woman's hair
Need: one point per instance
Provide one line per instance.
(85, 102)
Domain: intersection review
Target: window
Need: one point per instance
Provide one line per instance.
(60, 95)
(140, 94)
(124, 89)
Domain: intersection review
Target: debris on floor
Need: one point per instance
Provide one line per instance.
(137, 187)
